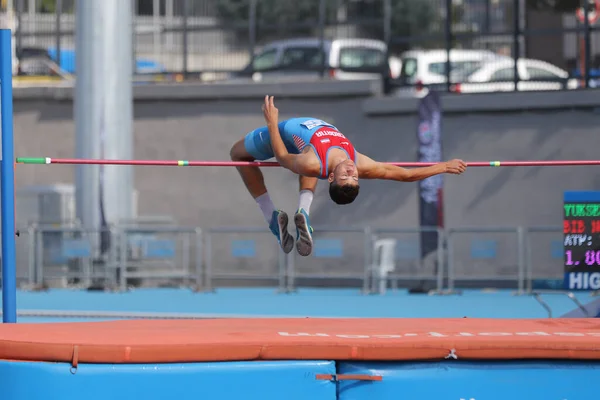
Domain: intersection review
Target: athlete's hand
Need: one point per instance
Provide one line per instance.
(270, 112)
(456, 167)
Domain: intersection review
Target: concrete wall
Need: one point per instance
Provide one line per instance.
(202, 123)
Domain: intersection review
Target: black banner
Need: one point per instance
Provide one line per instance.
(431, 189)
(105, 233)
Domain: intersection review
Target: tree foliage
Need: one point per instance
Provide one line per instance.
(270, 12)
(49, 6)
(409, 17)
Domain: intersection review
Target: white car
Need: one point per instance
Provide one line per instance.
(498, 76)
(428, 67)
(345, 59)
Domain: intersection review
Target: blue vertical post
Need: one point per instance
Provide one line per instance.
(7, 183)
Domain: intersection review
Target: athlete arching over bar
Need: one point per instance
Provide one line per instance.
(313, 149)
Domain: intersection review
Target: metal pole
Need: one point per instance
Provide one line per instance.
(252, 28)
(488, 19)
(32, 25)
(134, 13)
(587, 43)
(10, 11)
(185, 36)
(387, 21)
(448, 37)
(517, 31)
(290, 268)
(282, 262)
(39, 256)
(440, 261)
(89, 87)
(19, 35)
(10, 16)
(31, 232)
(199, 260)
(520, 260)
(386, 78)
(528, 262)
(123, 261)
(367, 273)
(58, 29)
(9, 269)
(450, 261)
(117, 122)
(208, 279)
(103, 111)
(169, 9)
(322, 11)
(157, 27)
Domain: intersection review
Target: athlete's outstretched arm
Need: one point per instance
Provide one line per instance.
(370, 169)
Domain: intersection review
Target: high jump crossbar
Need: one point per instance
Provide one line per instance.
(187, 163)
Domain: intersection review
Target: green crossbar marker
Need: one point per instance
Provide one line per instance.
(32, 160)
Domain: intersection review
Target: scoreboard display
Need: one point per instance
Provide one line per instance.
(581, 231)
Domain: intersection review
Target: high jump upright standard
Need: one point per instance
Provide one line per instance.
(7, 182)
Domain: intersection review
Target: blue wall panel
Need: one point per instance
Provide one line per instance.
(289, 380)
(456, 380)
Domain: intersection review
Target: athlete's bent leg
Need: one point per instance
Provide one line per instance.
(255, 183)
(304, 242)
(252, 176)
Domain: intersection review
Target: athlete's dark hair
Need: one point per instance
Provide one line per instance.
(343, 194)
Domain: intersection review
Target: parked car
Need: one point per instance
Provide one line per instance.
(499, 76)
(428, 67)
(594, 77)
(344, 59)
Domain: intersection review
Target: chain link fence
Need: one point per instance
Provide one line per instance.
(459, 46)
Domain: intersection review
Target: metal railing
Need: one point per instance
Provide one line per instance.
(488, 257)
(339, 254)
(526, 259)
(243, 254)
(544, 259)
(25, 256)
(160, 252)
(205, 39)
(71, 255)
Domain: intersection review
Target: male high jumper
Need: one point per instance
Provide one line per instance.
(314, 149)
